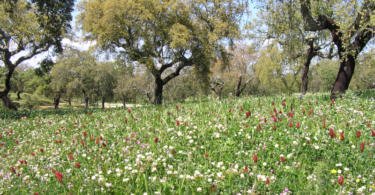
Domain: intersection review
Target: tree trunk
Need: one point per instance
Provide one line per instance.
(311, 52)
(56, 101)
(158, 91)
(70, 101)
(344, 76)
(19, 95)
(124, 101)
(7, 102)
(4, 94)
(103, 102)
(238, 89)
(86, 102)
(305, 79)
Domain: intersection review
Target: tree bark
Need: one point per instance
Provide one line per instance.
(158, 91)
(70, 101)
(86, 102)
(344, 76)
(358, 35)
(103, 102)
(7, 102)
(56, 101)
(311, 52)
(4, 94)
(159, 82)
(124, 101)
(238, 89)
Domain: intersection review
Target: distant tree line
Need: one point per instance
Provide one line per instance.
(175, 50)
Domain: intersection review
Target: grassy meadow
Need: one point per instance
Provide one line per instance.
(252, 145)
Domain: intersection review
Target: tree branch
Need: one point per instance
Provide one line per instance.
(323, 22)
(166, 66)
(3, 34)
(36, 50)
(177, 71)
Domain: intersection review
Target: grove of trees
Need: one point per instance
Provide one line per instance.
(175, 50)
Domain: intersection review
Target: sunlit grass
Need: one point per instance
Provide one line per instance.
(228, 146)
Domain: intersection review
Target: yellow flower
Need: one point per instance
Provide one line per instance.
(357, 180)
(333, 171)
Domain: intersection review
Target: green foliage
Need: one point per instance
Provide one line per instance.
(164, 34)
(44, 67)
(193, 148)
(36, 23)
(364, 77)
(28, 28)
(323, 75)
(274, 73)
(105, 80)
(74, 74)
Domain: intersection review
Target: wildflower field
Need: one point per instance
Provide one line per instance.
(250, 145)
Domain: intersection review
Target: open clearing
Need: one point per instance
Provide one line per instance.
(259, 145)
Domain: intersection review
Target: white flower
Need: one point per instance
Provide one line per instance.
(199, 189)
(338, 165)
(261, 177)
(108, 185)
(361, 189)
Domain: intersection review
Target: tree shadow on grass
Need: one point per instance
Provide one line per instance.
(20, 114)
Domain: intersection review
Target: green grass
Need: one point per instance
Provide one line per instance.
(193, 148)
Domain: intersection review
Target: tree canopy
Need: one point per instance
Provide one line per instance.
(29, 28)
(164, 34)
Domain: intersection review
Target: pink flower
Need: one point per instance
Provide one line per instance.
(248, 114)
(342, 136)
(358, 134)
(362, 146)
(58, 175)
(332, 133)
(255, 158)
(282, 159)
(298, 125)
(77, 165)
(340, 180)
